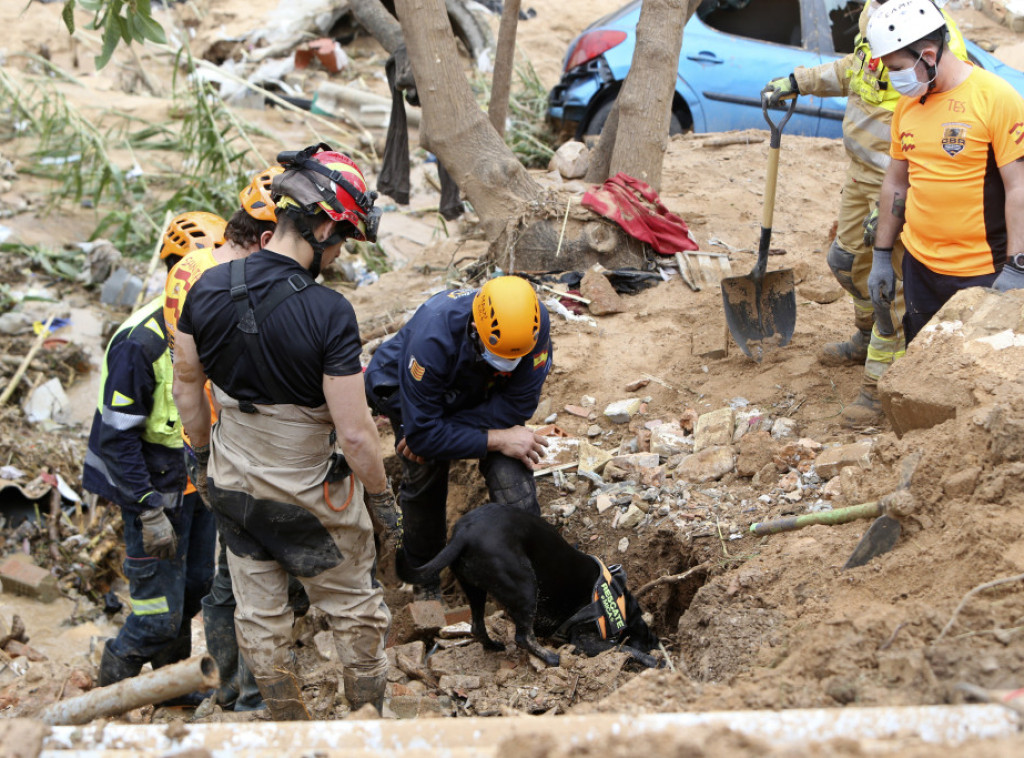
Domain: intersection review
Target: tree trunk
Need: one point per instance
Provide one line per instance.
(643, 108)
(504, 63)
(454, 128)
(374, 17)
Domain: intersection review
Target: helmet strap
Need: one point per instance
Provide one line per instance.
(305, 225)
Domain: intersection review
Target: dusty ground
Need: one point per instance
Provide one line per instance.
(765, 623)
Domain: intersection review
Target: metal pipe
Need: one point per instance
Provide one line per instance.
(165, 683)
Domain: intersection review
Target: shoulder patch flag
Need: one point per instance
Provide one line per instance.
(416, 369)
(540, 360)
(119, 400)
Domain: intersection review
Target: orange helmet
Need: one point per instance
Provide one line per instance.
(192, 231)
(256, 198)
(507, 316)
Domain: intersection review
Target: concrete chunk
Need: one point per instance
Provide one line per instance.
(622, 411)
(708, 465)
(834, 459)
(426, 617)
(19, 576)
(713, 429)
(670, 439)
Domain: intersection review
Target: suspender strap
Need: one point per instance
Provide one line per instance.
(246, 339)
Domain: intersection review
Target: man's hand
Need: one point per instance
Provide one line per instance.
(870, 225)
(403, 450)
(158, 537)
(780, 89)
(385, 508)
(517, 442)
(1010, 278)
(882, 287)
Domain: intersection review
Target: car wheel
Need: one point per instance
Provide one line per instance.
(596, 123)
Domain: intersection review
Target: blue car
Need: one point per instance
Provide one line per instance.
(731, 48)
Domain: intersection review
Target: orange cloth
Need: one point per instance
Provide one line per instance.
(180, 279)
(955, 144)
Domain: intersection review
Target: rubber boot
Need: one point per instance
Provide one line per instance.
(360, 690)
(866, 410)
(114, 668)
(852, 352)
(219, 626)
(283, 697)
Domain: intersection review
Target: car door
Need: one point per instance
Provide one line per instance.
(731, 48)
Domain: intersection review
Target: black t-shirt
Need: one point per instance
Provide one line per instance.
(311, 333)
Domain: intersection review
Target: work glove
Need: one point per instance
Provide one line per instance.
(882, 287)
(158, 537)
(870, 227)
(196, 461)
(1010, 278)
(780, 89)
(385, 508)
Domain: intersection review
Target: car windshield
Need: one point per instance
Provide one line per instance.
(768, 20)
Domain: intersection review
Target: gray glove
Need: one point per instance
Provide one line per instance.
(196, 461)
(779, 89)
(385, 508)
(882, 288)
(870, 225)
(1010, 278)
(158, 537)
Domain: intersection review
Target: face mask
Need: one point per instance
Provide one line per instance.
(906, 82)
(498, 363)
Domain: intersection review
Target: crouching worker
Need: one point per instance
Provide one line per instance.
(135, 460)
(282, 354)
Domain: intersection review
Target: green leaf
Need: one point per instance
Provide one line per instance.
(151, 30)
(126, 35)
(134, 33)
(111, 36)
(68, 15)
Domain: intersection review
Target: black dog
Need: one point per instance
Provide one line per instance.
(548, 587)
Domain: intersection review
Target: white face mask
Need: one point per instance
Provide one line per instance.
(906, 82)
(498, 363)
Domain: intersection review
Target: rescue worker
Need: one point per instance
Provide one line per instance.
(864, 80)
(954, 192)
(282, 354)
(135, 460)
(460, 380)
(248, 230)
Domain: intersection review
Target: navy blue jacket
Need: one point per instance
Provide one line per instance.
(431, 375)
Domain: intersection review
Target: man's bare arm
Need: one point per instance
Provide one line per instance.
(1013, 183)
(346, 400)
(892, 203)
(188, 389)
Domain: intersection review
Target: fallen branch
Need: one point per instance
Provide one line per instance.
(671, 579)
(969, 595)
(54, 523)
(43, 334)
(739, 139)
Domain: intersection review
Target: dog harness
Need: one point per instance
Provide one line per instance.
(607, 608)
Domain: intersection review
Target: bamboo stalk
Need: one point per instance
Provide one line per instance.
(9, 389)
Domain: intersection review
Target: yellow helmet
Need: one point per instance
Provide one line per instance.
(256, 198)
(507, 316)
(192, 231)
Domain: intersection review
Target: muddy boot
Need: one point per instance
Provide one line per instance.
(853, 352)
(219, 626)
(114, 668)
(866, 410)
(283, 696)
(360, 690)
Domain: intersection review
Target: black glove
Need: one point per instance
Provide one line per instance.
(780, 89)
(158, 537)
(385, 508)
(196, 461)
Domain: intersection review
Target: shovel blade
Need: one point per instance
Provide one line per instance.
(756, 311)
(881, 537)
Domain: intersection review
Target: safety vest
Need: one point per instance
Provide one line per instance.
(869, 78)
(163, 424)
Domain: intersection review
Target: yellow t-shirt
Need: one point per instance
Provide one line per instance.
(955, 145)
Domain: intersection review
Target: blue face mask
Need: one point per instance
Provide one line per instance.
(906, 82)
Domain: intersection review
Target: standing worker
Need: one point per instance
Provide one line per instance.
(282, 354)
(871, 99)
(135, 460)
(955, 187)
(460, 380)
(248, 230)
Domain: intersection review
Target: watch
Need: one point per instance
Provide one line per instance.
(1017, 261)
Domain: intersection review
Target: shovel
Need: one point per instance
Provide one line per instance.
(760, 304)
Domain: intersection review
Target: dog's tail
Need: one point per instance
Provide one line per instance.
(427, 573)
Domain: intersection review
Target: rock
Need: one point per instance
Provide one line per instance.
(710, 342)
(413, 707)
(688, 420)
(708, 465)
(971, 353)
(849, 482)
(542, 412)
(794, 455)
(571, 160)
(604, 300)
(426, 617)
(324, 644)
(633, 516)
(823, 290)
(833, 459)
(578, 410)
(833, 489)
(13, 323)
(592, 458)
(623, 544)
(48, 402)
(414, 651)
(790, 481)
(19, 576)
(961, 483)
(633, 467)
(121, 288)
(637, 384)
(459, 683)
(670, 439)
(714, 429)
(22, 738)
(603, 502)
(594, 430)
(588, 401)
(622, 411)
(751, 420)
(766, 476)
(784, 427)
(756, 450)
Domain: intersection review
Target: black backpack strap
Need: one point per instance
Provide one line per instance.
(246, 339)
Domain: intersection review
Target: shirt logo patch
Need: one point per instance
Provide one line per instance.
(416, 369)
(954, 137)
(456, 294)
(907, 141)
(119, 400)
(540, 360)
(1017, 132)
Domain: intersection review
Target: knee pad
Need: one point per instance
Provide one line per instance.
(841, 263)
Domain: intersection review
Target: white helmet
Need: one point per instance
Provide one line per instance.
(900, 23)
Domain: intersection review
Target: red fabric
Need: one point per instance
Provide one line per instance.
(636, 207)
